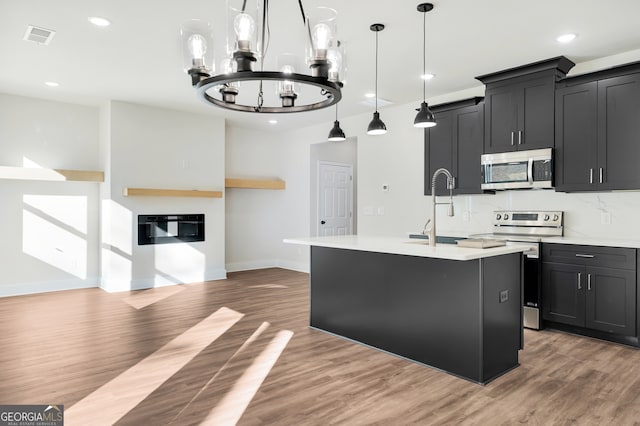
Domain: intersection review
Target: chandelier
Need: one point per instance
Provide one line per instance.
(240, 81)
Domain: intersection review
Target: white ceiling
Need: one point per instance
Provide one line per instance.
(138, 58)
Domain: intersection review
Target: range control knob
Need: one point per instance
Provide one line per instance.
(546, 217)
(506, 217)
(555, 217)
(498, 216)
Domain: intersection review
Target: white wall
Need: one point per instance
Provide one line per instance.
(51, 229)
(157, 148)
(254, 217)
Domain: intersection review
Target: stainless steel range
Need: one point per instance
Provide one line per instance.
(528, 227)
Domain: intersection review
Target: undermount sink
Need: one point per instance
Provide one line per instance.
(440, 239)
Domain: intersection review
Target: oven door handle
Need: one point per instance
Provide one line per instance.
(530, 171)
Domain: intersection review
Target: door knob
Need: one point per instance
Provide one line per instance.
(322, 222)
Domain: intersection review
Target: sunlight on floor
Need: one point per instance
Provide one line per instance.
(229, 410)
(268, 286)
(109, 403)
(143, 298)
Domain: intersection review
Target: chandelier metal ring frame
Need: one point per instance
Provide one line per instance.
(330, 89)
(247, 44)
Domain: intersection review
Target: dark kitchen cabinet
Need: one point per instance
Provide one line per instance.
(581, 293)
(563, 298)
(597, 131)
(576, 137)
(519, 106)
(520, 116)
(455, 143)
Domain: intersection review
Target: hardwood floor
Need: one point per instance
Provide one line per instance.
(239, 350)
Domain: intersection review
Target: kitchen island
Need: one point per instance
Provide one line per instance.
(452, 308)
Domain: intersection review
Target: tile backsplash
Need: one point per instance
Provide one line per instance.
(612, 215)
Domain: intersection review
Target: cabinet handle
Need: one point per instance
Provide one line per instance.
(588, 256)
(601, 174)
(590, 175)
(579, 279)
(519, 137)
(512, 138)
(589, 282)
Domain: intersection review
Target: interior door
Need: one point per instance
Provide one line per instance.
(335, 202)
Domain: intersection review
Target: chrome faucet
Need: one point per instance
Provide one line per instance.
(450, 184)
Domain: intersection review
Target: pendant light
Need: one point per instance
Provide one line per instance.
(376, 127)
(336, 134)
(425, 117)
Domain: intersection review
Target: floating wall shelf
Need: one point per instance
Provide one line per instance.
(55, 175)
(154, 192)
(254, 183)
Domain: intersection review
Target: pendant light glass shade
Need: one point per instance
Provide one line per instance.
(376, 126)
(425, 117)
(336, 134)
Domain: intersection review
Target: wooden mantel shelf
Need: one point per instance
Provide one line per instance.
(56, 175)
(155, 192)
(254, 183)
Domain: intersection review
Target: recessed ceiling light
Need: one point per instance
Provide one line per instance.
(273, 121)
(52, 84)
(99, 22)
(427, 76)
(565, 38)
(370, 95)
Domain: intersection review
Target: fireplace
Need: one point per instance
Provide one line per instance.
(172, 228)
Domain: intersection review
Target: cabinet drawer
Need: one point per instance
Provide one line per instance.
(609, 257)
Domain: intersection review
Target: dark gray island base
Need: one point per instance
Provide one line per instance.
(448, 314)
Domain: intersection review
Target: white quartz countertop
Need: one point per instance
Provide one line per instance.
(405, 246)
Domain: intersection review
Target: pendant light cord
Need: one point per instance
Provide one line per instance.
(424, 56)
(377, 70)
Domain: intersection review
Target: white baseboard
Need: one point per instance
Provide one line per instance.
(251, 265)
(116, 285)
(263, 264)
(20, 289)
(295, 266)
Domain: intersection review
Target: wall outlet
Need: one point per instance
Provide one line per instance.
(466, 216)
(605, 218)
(385, 187)
(504, 296)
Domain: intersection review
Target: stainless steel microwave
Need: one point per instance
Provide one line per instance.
(518, 170)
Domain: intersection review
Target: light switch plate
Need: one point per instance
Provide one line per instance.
(605, 218)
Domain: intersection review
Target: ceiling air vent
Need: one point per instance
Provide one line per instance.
(38, 34)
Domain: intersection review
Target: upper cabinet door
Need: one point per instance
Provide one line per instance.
(438, 151)
(455, 143)
(535, 128)
(468, 136)
(576, 129)
(520, 116)
(501, 119)
(619, 132)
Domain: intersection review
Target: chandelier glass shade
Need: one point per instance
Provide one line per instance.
(240, 81)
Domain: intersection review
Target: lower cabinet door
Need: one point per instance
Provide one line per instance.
(563, 293)
(611, 300)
